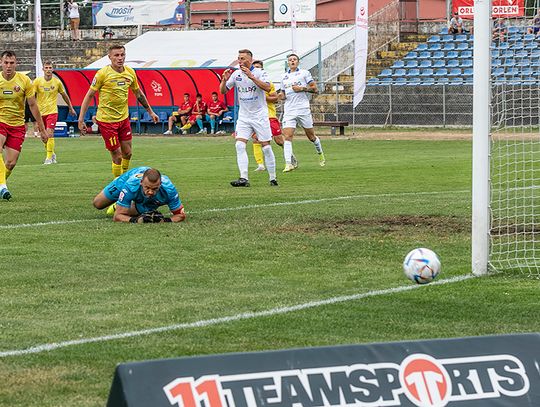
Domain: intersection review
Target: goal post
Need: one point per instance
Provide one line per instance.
(481, 137)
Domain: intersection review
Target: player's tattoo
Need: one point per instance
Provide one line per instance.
(142, 100)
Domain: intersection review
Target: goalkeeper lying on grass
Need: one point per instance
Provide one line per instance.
(136, 195)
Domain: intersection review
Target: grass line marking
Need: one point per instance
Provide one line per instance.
(223, 320)
(252, 206)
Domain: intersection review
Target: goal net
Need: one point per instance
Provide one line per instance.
(514, 163)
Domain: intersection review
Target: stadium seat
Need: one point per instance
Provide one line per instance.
(400, 72)
(434, 47)
(494, 53)
(507, 53)
(496, 62)
(439, 72)
(373, 81)
(411, 55)
(452, 63)
(88, 115)
(434, 39)
(512, 38)
(466, 63)
(443, 80)
(425, 63)
(439, 63)
(447, 38)
(521, 54)
(468, 72)
(426, 72)
(438, 55)
(514, 30)
(163, 119)
(385, 73)
(424, 55)
(455, 72)
(517, 45)
(414, 80)
(461, 38)
(535, 62)
(512, 71)
(529, 46)
(466, 54)
(427, 81)
(413, 72)
(386, 81)
(529, 37)
(497, 72)
(527, 71)
(501, 45)
(462, 46)
(523, 62)
(398, 64)
(452, 55)
(443, 30)
(400, 81)
(411, 64)
(456, 81)
(449, 46)
(535, 53)
(509, 62)
(422, 47)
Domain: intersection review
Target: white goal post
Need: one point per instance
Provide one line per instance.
(506, 144)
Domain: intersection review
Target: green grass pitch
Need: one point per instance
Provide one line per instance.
(67, 272)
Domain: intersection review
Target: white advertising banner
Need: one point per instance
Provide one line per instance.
(37, 22)
(360, 50)
(305, 10)
(151, 12)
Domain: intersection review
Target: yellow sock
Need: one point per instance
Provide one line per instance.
(50, 147)
(125, 164)
(8, 173)
(2, 170)
(257, 152)
(116, 170)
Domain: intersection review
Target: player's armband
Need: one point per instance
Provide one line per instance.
(178, 211)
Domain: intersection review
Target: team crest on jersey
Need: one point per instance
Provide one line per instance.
(17, 88)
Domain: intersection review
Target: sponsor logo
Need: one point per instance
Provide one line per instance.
(283, 9)
(120, 12)
(156, 87)
(362, 11)
(421, 379)
(7, 92)
(120, 83)
(247, 89)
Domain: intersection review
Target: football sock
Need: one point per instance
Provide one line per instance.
(287, 151)
(318, 145)
(116, 170)
(2, 170)
(199, 123)
(242, 159)
(270, 160)
(8, 173)
(258, 153)
(213, 124)
(125, 164)
(50, 147)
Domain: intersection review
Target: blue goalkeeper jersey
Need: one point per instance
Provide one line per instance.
(127, 189)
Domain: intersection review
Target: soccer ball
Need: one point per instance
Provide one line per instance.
(421, 266)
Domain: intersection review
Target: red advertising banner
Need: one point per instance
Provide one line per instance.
(500, 8)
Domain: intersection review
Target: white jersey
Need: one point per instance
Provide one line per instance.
(251, 98)
(296, 102)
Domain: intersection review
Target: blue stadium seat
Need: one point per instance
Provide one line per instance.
(517, 45)
(452, 55)
(449, 46)
(514, 30)
(494, 53)
(511, 71)
(509, 62)
(434, 39)
(385, 73)
(414, 80)
(411, 55)
(426, 63)
(468, 72)
(411, 64)
(439, 63)
(456, 81)
(452, 63)
(455, 72)
(424, 55)
(443, 30)
(529, 80)
(535, 62)
(499, 71)
(502, 45)
(512, 38)
(523, 62)
(507, 53)
(465, 54)
(440, 72)
(443, 80)
(529, 46)
(535, 53)
(529, 37)
(521, 54)
(438, 55)
(466, 63)
(385, 81)
(398, 64)
(400, 72)
(413, 72)
(447, 38)
(434, 47)
(373, 81)
(496, 62)
(527, 71)
(422, 47)
(400, 81)
(427, 81)
(461, 37)
(163, 119)
(462, 46)
(426, 72)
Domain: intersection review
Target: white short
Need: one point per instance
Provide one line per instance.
(304, 120)
(259, 126)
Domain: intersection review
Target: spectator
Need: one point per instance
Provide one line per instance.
(197, 113)
(74, 20)
(184, 111)
(456, 25)
(215, 109)
(535, 27)
(499, 30)
(108, 33)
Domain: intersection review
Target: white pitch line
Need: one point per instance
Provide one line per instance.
(253, 206)
(222, 320)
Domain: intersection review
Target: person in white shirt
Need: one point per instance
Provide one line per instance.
(74, 20)
(295, 85)
(251, 84)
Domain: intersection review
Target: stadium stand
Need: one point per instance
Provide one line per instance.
(447, 59)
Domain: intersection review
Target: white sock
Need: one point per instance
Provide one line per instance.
(3, 186)
(287, 151)
(242, 159)
(318, 145)
(270, 161)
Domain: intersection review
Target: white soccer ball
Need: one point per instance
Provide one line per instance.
(421, 266)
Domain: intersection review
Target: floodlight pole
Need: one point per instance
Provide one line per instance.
(481, 136)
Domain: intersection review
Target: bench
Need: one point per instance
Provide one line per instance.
(334, 125)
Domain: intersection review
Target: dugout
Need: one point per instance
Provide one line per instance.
(163, 87)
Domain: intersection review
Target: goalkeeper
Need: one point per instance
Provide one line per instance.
(136, 195)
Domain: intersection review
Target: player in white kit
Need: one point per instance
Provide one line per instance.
(295, 85)
(251, 84)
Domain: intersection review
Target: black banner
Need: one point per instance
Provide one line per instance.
(482, 371)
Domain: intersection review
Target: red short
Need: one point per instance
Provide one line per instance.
(14, 135)
(50, 120)
(275, 127)
(193, 117)
(114, 133)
